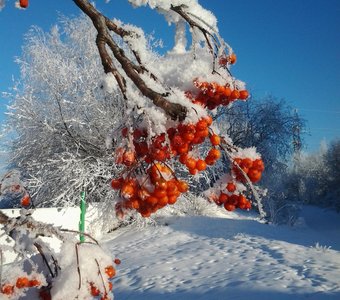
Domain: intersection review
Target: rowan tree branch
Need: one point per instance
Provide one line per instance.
(103, 25)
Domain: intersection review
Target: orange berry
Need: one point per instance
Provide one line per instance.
(201, 165)
(183, 158)
(94, 290)
(159, 155)
(182, 186)
(161, 184)
(258, 164)
(242, 200)
(34, 282)
(215, 140)
(183, 148)
(210, 161)
(117, 261)
(232, 58)
(209, 120)
(231, 187)
(143, 193)
(26, 200)
(127, 190)
(188, 136)
(214, 154)
(117, 183)
(227, 92)
(223, 198)
(254, 175)
(229, 207)
(151, 200)
(128, 158)
(235, 94)
(7, 289)
(177, 141)
(191, 163)
(23, 3)
(163, 201)
(202, 133)
(110, 271)
(159, 193)
(172, 199)
(22, 282)
(201, 125)
(246, 163)
(243, 94)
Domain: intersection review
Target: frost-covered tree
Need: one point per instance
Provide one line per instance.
(154, 112)
(318, 177)
(63, 116)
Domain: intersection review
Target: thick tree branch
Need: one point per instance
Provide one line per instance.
(103, 26)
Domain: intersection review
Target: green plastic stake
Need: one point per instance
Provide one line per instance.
(82, 217)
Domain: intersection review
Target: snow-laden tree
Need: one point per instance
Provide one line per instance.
(63, 116)
(154, 112)
(317, 175)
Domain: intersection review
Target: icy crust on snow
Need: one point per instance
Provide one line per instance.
(191, 6)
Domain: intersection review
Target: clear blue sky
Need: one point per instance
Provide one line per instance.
(290, 49)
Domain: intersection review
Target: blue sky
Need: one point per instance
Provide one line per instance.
(290, 49)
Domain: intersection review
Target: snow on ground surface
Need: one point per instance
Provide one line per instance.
(232, 256)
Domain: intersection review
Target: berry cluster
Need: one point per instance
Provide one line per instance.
(253, 169)
(211, 94)
(181, 140)
(21, 283)
(230, 200)
(150, 192)
(110, 272)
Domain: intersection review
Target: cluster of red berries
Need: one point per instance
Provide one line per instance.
(151, 192)
(110, 271)
(253, 169)
(230, 200)
(211, 94)
(181, 140)
(21, 283)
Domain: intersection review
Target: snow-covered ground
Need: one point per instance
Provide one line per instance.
(235, 257)
(232, 256)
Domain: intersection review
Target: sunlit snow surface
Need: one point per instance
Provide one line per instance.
(232, 256)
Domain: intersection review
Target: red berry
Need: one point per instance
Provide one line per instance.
(7, 289)
(110, 271)
(26, 200)
(23, 3)
(231, 187)
(22, 282)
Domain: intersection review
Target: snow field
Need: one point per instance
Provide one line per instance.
(220, 258)
(232, 256)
